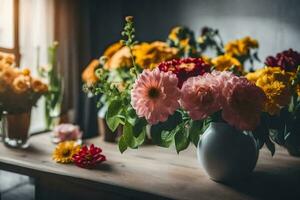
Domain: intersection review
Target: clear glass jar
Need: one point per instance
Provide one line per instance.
(14, 129)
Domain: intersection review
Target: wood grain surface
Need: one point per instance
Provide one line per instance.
(153, 173)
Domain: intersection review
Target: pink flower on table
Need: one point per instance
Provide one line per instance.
(66, 132)
(201, 96)
(243, 101)
(155, 95)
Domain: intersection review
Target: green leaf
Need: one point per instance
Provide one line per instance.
(129, 136)
(113, 114)
(131, 116)
(122, 145)
(162, 134)
(195, 130)
(181, 139)
(139, 126)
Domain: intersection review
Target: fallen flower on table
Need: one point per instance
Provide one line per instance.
(65, 151)
(89, 157)
(66, 132)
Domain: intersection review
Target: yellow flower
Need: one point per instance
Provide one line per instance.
(149, 55)
(182, 37)
(112, 49)
(38, 86)
(64, 152)
(207, 59)
(276, 84)
(240, 47)
(225, 62)
(21, 84)
(174, 33)
(88, 75)
(26, 72)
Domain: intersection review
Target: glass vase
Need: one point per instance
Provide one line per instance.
(14, 129)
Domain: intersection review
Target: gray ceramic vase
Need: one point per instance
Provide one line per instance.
(227, 154)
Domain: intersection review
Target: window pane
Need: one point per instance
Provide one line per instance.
(6, 24)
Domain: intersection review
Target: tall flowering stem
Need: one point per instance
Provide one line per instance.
(128, 34)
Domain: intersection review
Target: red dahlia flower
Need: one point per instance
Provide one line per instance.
(89, 157)
(184, 68)
(288, 60)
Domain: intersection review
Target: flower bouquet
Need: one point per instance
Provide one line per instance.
(182, 96)
(19, 91)
(279, 80)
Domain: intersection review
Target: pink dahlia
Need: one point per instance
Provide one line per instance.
(155, 95)
(201, 96)
(89, 157)
(242, 103)
(185, 68)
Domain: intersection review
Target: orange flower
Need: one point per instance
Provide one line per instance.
(26, 72)
(121, 59)
(21, 84)
(112, 49)
(8, 74)
(88, 75)
(38, 86)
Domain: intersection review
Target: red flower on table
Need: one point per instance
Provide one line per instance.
(89, 157)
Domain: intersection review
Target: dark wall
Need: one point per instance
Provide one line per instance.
(275, 23)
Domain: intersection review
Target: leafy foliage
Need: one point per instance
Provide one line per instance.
(53, 98)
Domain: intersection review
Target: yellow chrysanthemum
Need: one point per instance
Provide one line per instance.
(26, 72)
(207, 59)
(276, 84)
(64, 152)
(240, 47)
(174, 33)
(225, 62)
(182, 37)
(149, 55)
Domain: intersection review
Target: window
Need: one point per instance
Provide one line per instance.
(9, 28)
(26, 30)
(36, 34)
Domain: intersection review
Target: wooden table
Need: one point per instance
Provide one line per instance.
(148, 173)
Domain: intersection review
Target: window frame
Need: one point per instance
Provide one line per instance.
(16, 47)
